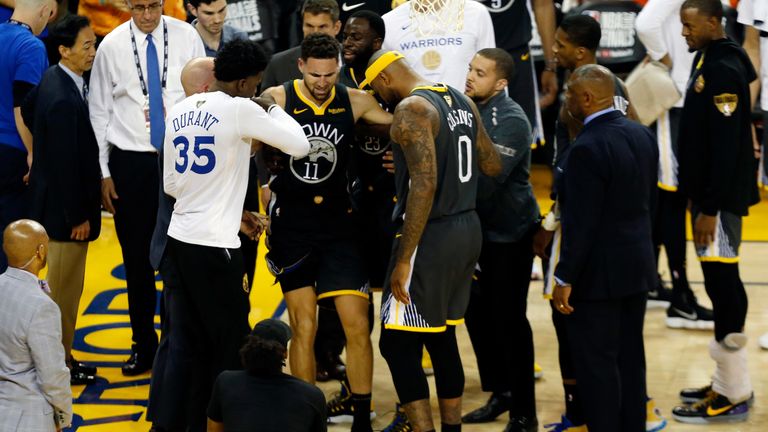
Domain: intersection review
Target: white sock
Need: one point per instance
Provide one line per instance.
(731, 377)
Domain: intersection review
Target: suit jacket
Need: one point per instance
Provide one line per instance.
(606, 193)
(65, 180)
(283, 67)
(34, 380)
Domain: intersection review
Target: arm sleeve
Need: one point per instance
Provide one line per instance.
(584, 193)
(100, 106)
(62, 120)
(44, 341)
(20, 91)
(214, 405)
(649, 25)
(275, 128)
(725, 136)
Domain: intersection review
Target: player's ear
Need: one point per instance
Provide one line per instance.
(301, 65)
(336, 28)
(377, 44)
(192, 10)
(500, 84)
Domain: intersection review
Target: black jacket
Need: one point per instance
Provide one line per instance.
(606, 194)
(717, 168)
(65, 181)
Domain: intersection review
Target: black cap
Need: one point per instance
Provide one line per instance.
(273, 329)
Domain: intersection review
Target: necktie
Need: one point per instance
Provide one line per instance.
(85, 92)
(156, 115)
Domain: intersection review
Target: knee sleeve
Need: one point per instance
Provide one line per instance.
(446, 361)
(403, 350)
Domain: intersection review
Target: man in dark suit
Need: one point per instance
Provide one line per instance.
(607, 263)
(65, 181)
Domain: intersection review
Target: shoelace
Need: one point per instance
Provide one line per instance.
(711, 396)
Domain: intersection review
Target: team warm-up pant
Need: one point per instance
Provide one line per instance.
(606, 343)
(136, 182)
(497, 324)
(729, 299)
(213, 312)
(669, 231)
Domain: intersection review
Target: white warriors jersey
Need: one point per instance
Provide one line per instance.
(443, 56)
(205, 164)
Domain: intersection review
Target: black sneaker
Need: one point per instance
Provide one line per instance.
(693, 395)
(340, 409)
(690, 315)
(715, 408)
(659, 297)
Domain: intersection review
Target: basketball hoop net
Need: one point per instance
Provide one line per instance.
(437, 16)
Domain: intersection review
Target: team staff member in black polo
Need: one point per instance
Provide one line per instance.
(718, 175)
(607, 262)
(508, 214)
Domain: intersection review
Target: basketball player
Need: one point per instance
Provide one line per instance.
(440, 142)
(576, 42)
(313, 249)
(207, 147)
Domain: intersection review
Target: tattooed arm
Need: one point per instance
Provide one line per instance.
(488, 157)
(414, 127)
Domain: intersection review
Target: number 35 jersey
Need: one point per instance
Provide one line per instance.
(205, 162)
(311, 189)
(455, 153)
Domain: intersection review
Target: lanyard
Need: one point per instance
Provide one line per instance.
(136, 57)
(19, 23)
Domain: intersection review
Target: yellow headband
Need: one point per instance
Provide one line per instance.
(379, 65)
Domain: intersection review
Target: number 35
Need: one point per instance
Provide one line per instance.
(203, 155)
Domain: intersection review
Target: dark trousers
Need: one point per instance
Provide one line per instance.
(213, 312)
(606, 340)
(729, 299)
(248, 248)
(14, 204)
(168, 391)
(669, 231)
(498, 326)
(560, 322)
(136, 181)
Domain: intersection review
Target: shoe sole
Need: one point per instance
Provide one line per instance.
(657, 304)
(691, 400)
(707, 420)
(655, 426)
(682, 323)
(346, 418)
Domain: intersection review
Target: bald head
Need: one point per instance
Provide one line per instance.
(197, 75)
(591, 88)
(21, 242)
(35, 13)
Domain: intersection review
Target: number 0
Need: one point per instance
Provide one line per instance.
(465, 166)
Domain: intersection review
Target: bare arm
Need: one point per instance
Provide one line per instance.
(365, 107)
(544, 12)
(214, 426)
(487, 156)
(277, 93)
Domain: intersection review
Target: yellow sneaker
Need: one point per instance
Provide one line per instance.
(538, 372)
(426, 363)
(654, 422)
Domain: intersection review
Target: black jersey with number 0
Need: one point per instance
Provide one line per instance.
(455, 152)
(330, 129)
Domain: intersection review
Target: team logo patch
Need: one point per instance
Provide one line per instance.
(200, 103)
(319, 164)
(448, 100)
(698, 86)
(431, 59)
(726, 103)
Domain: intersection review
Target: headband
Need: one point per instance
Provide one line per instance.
(379, 65)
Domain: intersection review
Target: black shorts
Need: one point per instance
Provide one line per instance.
(441, 276)
(377, 230)
(330, 263)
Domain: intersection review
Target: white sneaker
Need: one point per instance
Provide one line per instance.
(763, 341)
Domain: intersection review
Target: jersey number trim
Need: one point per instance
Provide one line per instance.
(465, 162)
(205, 159)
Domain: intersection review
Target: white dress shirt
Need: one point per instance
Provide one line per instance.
(444, 56)
(115, 99)
(660, 30)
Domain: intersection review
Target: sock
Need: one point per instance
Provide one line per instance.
(731, 377)
(361, 412)
(573, 404)
(450, 427)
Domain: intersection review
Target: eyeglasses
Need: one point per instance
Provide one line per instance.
(140, 9)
